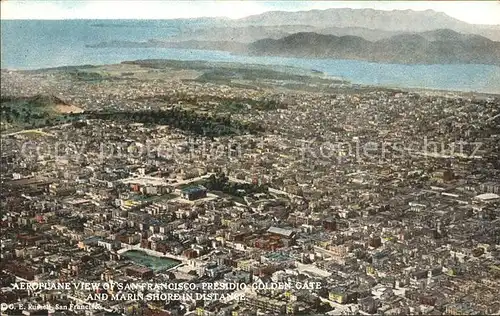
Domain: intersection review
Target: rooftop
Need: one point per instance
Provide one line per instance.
(194, 189)
(487, 196)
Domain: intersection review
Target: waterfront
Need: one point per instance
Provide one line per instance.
(67, 46)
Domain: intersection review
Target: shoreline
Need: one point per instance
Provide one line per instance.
(296, 70)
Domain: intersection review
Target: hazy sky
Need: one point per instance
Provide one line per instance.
(482, 12)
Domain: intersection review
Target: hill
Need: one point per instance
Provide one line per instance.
(242, 34)
(431, 47)
(391, 21)
(442, 46)
(369, 24)
(35, 111)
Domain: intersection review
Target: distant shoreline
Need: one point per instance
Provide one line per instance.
(297, 70)
(245, 50)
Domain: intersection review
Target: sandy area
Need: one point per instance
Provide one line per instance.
(63, 108)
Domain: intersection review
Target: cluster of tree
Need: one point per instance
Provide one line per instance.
(22, 115)
(8, 98)
(165, 64)
(186, 120)
(86, 76)
(35, 111)
(264, 104)
(258, 74)
(9, 114)
(221, 183)
(29, 113)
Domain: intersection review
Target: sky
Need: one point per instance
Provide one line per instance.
(475, 12)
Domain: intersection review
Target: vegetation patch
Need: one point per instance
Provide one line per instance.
(185, 120)
(34, 112)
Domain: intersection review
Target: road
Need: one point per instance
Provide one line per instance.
(38, 131)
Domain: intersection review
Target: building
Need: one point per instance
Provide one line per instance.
(329, 224)
(368, 304)
(461, 309)
(139, 272)
(487, 197)
(267, 304)
(194, 193)
(444, 176)
(286, 233)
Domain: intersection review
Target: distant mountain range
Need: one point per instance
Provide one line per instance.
(392, 21)
(252, 33)
(431, 47)
(369, 24)
(398, 36)
(441, 46)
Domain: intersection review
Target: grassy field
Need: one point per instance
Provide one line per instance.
(131, 71)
